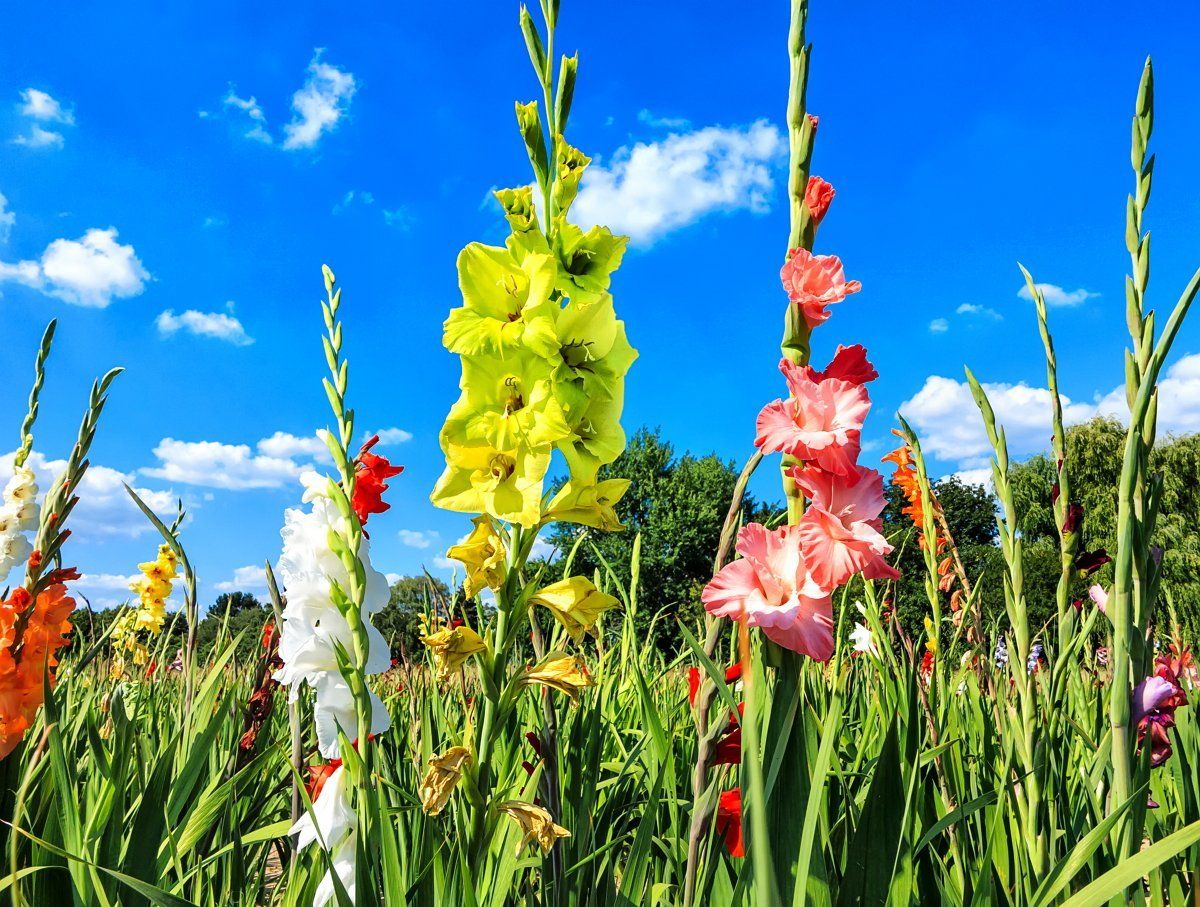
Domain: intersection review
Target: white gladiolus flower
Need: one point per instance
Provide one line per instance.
(18, 514)
(313, 627)
(332, 823)
(862, 639)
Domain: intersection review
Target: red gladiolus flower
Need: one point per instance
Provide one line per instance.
(1154, 702)
(267, 634)
(732, 674)
(849, 364)
(318, 775)
(370, 475)
(729, 821)
(728, 750)
(817, 196)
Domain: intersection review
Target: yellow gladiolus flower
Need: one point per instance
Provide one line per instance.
(506, 303)
(930, 639)
(482, 553)
(452, 646)
(565, 673)
(588, 504)
(504, 484)
(537, 825)
(576, 603)
(440, 780)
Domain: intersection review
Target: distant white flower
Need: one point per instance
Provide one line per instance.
(863, 640)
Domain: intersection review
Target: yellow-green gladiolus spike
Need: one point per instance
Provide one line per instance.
(587, 260)
(505, 485)
(576, 603)
(482, 554)
(507, 402)
(571, 164)
(588, 504)
(506, 303)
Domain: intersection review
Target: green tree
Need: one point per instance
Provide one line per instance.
(1094, 453)
(399, 620)
(678, 505)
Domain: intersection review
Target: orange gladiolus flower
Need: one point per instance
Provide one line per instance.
(21, 674)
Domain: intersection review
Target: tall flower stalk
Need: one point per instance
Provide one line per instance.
(543, 358)
(327, 641)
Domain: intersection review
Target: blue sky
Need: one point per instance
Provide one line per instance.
(174, 178)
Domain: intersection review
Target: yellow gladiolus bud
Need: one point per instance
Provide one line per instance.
(576, 603)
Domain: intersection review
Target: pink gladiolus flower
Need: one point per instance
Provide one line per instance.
(840, 531)
(817, 196)
(814, 282)
(820, 423)
(1100, 597)
(771, 585)
(849, 364)
(1154, 702)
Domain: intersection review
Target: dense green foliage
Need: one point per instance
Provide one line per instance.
(677, 504)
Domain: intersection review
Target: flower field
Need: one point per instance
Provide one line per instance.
(800, 745)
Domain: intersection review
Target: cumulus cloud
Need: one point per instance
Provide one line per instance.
(90, 271)
(7, 219)
(389, 436)
(654, 188)
(39, 105)
(245, 579)
(41, 108)
(218, 325)
(256, 120)
(1056, 296)
(285, 445)
(104, 590)
(105, 509)
(213, 464)
(978, 311)
(414, 538)
(653, 120)
(318, 104)
(945, 416)
(939, 326)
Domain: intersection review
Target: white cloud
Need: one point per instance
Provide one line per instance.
(39, 105)
(657, 122)
(939, 326)
(948, 423)
(1056, 296)
(969, 308)
(389, 436)
(417, 539)
(257, 120)
(215, 465)
(105, 509)
(318, 104)
(90, 271)
(981, 476)
(218, 325)
(393, 578)
(543, 549)
(351, 196)
(37, 137)
(401, 218)
(245, 579)
(950, 428)
(7, 219)
(653, 188)
(1178, 398)
(284, 445)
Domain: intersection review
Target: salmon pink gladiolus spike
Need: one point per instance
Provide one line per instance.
(821, 423)
(773, 587)
(841, 530)
(849, 364)
(817, 196)
(814, 282)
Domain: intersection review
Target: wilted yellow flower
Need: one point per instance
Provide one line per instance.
(482, 553)
(452, 646)
(565, 673)
(536, 824)
(588, 504)
(438, 784)
(576, 603)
